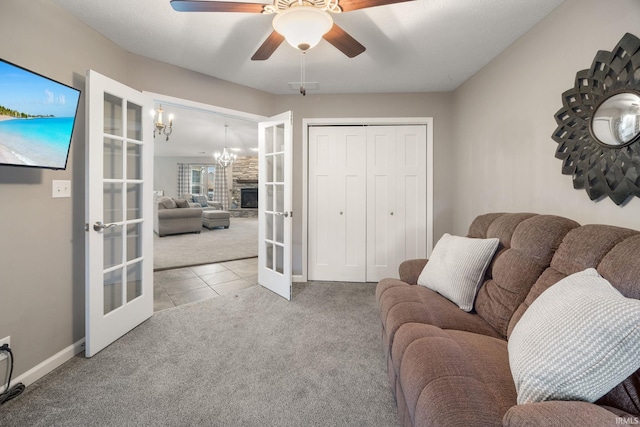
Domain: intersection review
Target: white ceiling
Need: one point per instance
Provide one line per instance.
(417, 46)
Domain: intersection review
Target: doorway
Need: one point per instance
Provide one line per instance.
(191, 266)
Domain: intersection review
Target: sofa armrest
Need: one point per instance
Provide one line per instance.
(215, 205)
(410, 270)
(562, 413)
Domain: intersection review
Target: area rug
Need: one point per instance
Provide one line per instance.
(245, 359)
(238, 241)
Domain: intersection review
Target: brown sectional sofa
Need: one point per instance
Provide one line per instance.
(449, 367)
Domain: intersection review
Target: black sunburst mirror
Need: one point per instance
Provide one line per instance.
(598, 131)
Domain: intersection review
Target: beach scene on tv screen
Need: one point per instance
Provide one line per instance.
(36, 118)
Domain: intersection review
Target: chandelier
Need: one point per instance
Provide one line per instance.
(225, 159)
(159, 126)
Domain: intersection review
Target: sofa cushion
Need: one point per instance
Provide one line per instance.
(529, 243)
(181, 203)
(201, 200)
(456, 268)
(577, 341)
(450, 377)
(167, 203)
(400, 303)
(587, 247)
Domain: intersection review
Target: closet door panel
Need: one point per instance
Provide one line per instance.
(351, 172)
(411, 193)
(381, 185)
(321, 208)
(337, 184)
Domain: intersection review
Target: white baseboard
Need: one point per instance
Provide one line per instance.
(297, 279)
(42, 369)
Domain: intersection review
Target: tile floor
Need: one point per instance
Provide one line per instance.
(175, 287)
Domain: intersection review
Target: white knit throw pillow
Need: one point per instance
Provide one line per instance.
(578, 340)
(456, 268)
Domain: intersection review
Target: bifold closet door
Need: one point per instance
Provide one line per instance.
(337, 203)
(396, 198)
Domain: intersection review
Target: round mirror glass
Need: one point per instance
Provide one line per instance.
(616, 122)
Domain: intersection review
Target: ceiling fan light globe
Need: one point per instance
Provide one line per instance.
(303, 26)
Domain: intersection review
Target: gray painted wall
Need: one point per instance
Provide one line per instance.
(504, 117)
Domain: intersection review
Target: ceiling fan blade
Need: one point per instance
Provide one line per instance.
(344, 42)
(348, 5)
(268, 47)
(215, 6)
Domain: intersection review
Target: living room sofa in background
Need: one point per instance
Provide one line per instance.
(175, 216)
(449, 367)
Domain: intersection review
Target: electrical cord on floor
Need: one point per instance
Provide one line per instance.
(16, 390)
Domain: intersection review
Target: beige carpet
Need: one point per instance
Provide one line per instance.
(238, 241)
(246, 359)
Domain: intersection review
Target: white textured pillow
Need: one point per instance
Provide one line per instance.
(578, 340)
(456, 268)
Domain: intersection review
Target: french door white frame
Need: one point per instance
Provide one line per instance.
(388, 121)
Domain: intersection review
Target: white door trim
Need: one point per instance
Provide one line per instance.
(379, 121)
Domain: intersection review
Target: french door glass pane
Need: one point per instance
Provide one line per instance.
(279, 267)
(268, 140)
(112, 163)
(134, 121)
(268, 234)
(279, 138)
(112, 253)
(269, 167)
(134, 161)
(134, 201)
(134, 281)
(113, 121)
(269, 253)
(112, 203)
(279, 166)
(112, 290)
(279, 198)
(279, 237)
(134, 241)
(269, 201)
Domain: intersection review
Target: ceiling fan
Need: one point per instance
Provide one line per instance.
(294, 17)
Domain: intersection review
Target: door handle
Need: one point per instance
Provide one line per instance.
(100, 226)
(284, 214)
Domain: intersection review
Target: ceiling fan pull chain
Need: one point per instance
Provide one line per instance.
(303, 90)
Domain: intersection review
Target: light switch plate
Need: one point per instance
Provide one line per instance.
(60, 188)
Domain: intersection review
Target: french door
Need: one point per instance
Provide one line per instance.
(275, 143)
(119, 223)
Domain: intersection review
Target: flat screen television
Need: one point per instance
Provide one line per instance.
(37, 117)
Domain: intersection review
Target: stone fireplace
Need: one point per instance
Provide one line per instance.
(244, 190)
